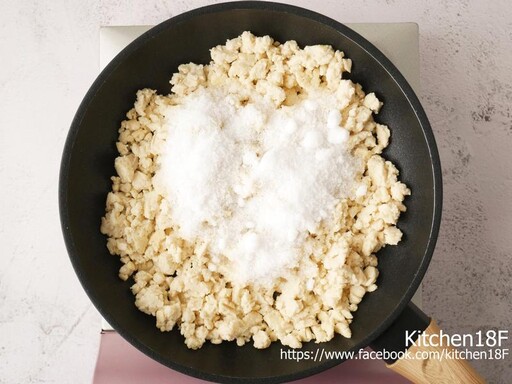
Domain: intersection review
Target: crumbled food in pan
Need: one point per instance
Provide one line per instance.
(250, 202)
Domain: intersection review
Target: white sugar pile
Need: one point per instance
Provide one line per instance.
(253, 180)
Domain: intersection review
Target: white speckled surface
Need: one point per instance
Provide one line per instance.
(49, 329)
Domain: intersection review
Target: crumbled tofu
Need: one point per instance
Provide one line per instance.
(370, 101)
(261, 339)
(126, 166)
(179, 283)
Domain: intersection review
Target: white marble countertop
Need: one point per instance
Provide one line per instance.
(49, 328)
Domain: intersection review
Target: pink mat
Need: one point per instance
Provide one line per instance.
(119, 362)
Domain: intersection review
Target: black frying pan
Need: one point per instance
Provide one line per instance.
(88, 164)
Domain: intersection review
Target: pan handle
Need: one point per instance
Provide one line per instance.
(426, 357)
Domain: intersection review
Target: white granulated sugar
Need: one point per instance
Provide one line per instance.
(253, 180)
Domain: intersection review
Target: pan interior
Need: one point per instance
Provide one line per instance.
(88, 165)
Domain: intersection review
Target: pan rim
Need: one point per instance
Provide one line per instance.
(366, 46)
